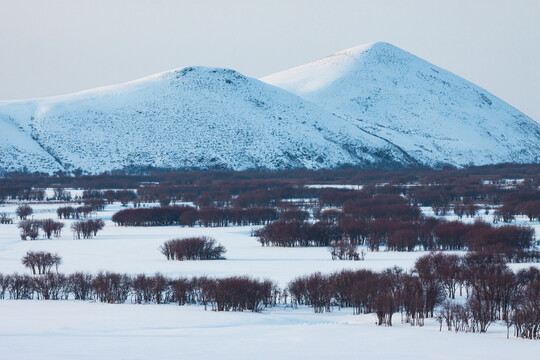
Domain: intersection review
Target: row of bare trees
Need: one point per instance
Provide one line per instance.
(492, 292)
(237, 293)
(427, 233)
(30, 229)
(213, 217)
(74, 212)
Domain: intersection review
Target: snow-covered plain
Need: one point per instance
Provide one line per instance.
(136, 250)
(83, 330)
(88, 330)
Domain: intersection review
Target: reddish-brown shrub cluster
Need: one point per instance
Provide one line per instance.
(152, 216)
(124, 196)
(368, 292)
(328, 215)
(189, 216)
(212, 216)
(493, 293)
(296, 233)
(528, 207)
(195, 248)
(513, 242)
(95, 204)
(381, 206)
(294, 215)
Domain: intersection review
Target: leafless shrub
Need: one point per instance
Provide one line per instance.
(196, 248)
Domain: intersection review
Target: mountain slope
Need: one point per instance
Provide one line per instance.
(19, 152)
(194, 117)
(435, 116)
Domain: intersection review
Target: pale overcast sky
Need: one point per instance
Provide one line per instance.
(54, 47)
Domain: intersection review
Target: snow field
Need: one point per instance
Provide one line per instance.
(70, 329)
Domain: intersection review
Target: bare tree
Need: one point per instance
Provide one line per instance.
(5, 219)
(51, 227)
(29, 229)
(24, 211)
(41, 262)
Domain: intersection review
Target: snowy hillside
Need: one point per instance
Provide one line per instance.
(194, 117)
(18, 151)
(432, 114)
(368, 106)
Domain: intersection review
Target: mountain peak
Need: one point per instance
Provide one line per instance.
(430, 113)
(374, 47)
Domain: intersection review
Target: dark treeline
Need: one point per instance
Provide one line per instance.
(190, 216)
(237, 293)
(512, 242)
(152, 216)
(263, 188)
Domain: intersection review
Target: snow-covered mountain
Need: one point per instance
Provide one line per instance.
(193, 117)
(430, 113)
(373, 105)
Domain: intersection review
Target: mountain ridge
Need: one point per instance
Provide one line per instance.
(193, 117)
(373, 105)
